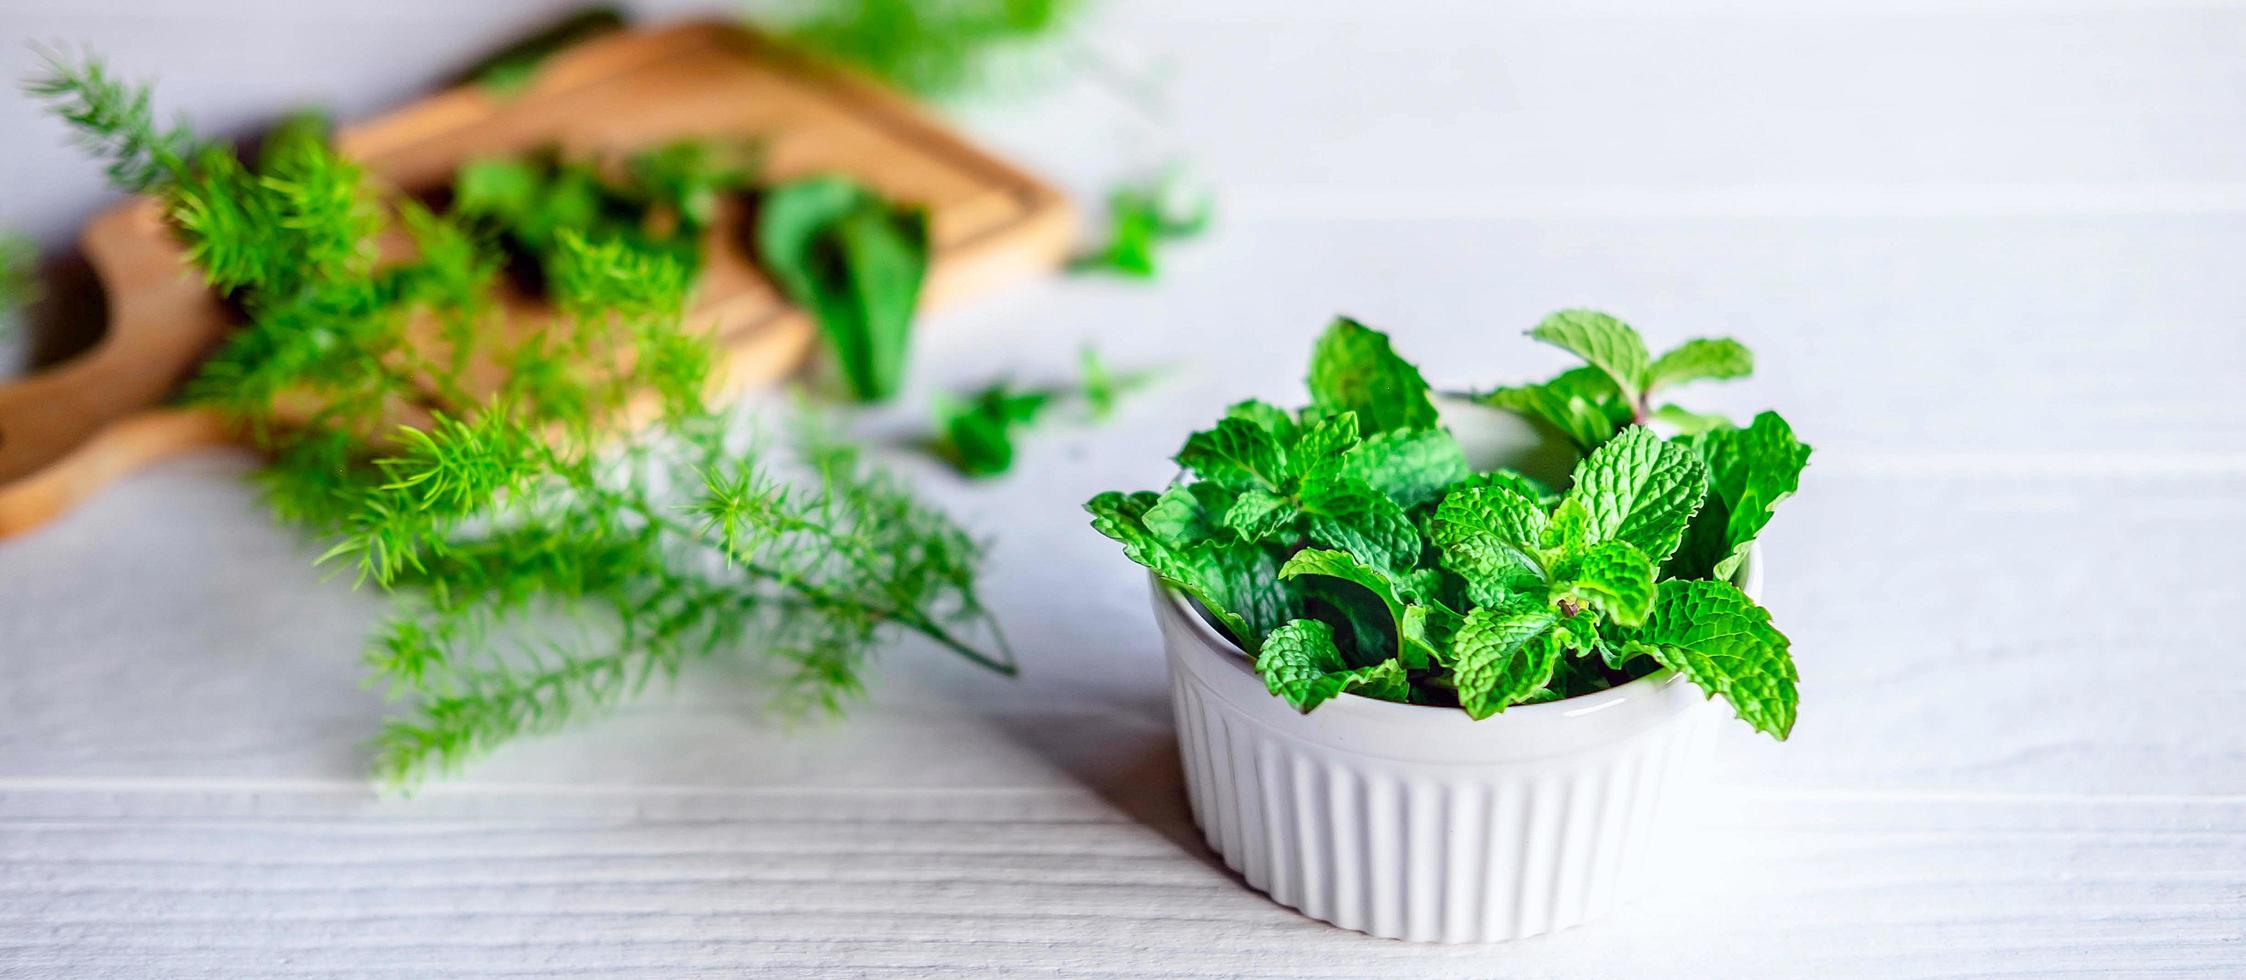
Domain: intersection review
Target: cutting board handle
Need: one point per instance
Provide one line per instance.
(67, 431)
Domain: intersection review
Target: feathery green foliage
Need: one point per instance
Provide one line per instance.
(1349, 548)
(542, 566)
(114, 120)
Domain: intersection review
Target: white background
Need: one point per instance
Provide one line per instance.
(1989, 255)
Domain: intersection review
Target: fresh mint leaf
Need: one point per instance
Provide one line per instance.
(1749, 471)
(1300, 663)
(1348, 568)
(1317, 453)
(1522, 484)
(978, 433)
(1613, 577)
(1189, 513)
(1580, 635)
(1603, 342)
(1246, 579)
(1490, 535)
(1639, 489)
(1238, 454)
(855, 263)
(1352, 516)
(1569, 529)
(1353, 369)
(1273, 420)
(1703, 359)
(1721, 641)
(1502, 656)
(1363, 627)
(1411, 466)
(1582, 404)
(1258, 515)
(1141, 220)
(1238, 583)
(1428, 633)
(1417, 634)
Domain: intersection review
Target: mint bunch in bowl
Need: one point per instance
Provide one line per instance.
(1349, 547)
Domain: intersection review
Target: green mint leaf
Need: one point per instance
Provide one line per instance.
(1416, 647)
(1140, 219)
(1132, 230)
(1318, 452)
(1353, 517)
(1570, 527)
(1639, 489)
(1348, 568)
(1411, 467)
(1709, 359)
(1363, 627)
(1749, 471)
(1520, 483)
(1237, 453)
(1572, 677)
(1501, 657)
(856, 264)
(1720, 640)
(1300, 664)
(1490, 535)
(1580, 635)
(1353, 369)
(1687, 422)
(1603, 342)
(1613, 577)
(1582, 404)
(1257, 515)
(1272, 419)
(1245, 578)
(977, 433)
(1188, 514)
(1238, 583)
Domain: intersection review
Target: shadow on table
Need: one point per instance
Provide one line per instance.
(1133, 766)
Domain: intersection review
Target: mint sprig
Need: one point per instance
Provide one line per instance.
(1351, 549)
(1615, 388)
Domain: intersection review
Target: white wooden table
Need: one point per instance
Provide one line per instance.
(1990, 258)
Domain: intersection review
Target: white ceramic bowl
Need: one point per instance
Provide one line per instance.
(1414, 822)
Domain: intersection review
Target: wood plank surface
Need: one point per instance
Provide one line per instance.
(324, 881)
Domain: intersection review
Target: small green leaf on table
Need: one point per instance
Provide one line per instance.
(856, 263)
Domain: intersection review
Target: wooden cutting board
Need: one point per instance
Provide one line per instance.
(67, 431)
